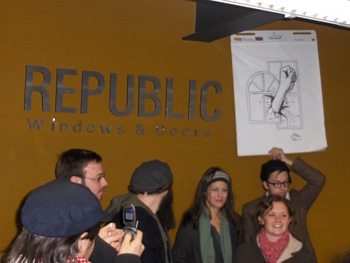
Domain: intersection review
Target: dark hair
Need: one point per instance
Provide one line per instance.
(158, 191)
(267, 203)
(73, 162)
(29, 247)
(165, 213)
(199, 204)
(343, 257)
(273, 166)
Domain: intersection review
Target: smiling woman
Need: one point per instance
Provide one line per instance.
(276, 221)
(273, 243)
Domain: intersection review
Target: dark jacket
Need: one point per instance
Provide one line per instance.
(155, 239)
(104, 253)
(295, 252)
(187, 244)
(301, 201)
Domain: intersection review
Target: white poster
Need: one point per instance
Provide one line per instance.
(278, 94)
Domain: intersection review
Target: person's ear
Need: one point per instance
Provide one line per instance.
(164, 193)
(264, 183)
(261, 221)
(75, 179)
(81, 243)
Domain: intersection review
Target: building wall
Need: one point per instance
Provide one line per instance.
(142, 40)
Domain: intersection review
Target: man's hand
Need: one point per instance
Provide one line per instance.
(278, 154)
(132, 246)
(112, 235)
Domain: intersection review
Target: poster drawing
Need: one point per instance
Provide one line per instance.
(278, 98)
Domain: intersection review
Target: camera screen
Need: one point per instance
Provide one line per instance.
(129, 215)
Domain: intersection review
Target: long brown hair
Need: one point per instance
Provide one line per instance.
(199, 203)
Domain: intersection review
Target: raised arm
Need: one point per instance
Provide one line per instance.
(314, 178)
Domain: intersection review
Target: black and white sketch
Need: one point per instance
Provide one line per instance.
(277, 92)
(273, 97)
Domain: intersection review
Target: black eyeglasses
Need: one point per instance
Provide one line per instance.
(98, 179)
(279, 184)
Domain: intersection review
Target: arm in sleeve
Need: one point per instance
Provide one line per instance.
(128, 258)
(314, 178)
(181, 249)
(102, 252)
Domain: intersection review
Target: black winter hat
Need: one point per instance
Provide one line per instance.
(151, 176)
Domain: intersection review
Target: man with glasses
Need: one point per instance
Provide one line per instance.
(85, 167)
(276, 179)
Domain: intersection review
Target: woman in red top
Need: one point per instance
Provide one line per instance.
(274, 243)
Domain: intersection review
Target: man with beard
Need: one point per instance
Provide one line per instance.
(84, 167)
(150, 191)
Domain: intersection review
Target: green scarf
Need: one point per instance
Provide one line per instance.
(206, 241)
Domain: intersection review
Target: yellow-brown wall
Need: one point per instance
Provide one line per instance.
(144, 38)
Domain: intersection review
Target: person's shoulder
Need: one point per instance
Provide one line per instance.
(246, 252)
(187, 234)
(252, 204)
(147, 221)
(117, 203)
(119, 198)
(142, 212)
(187, 226)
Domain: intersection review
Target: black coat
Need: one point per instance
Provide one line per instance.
(104, 253)
(152, 238)
(250, 252)
(187, 244)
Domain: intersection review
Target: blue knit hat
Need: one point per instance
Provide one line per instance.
(61, 209)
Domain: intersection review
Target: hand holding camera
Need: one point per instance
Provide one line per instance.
(132, 245)
(129, 220)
